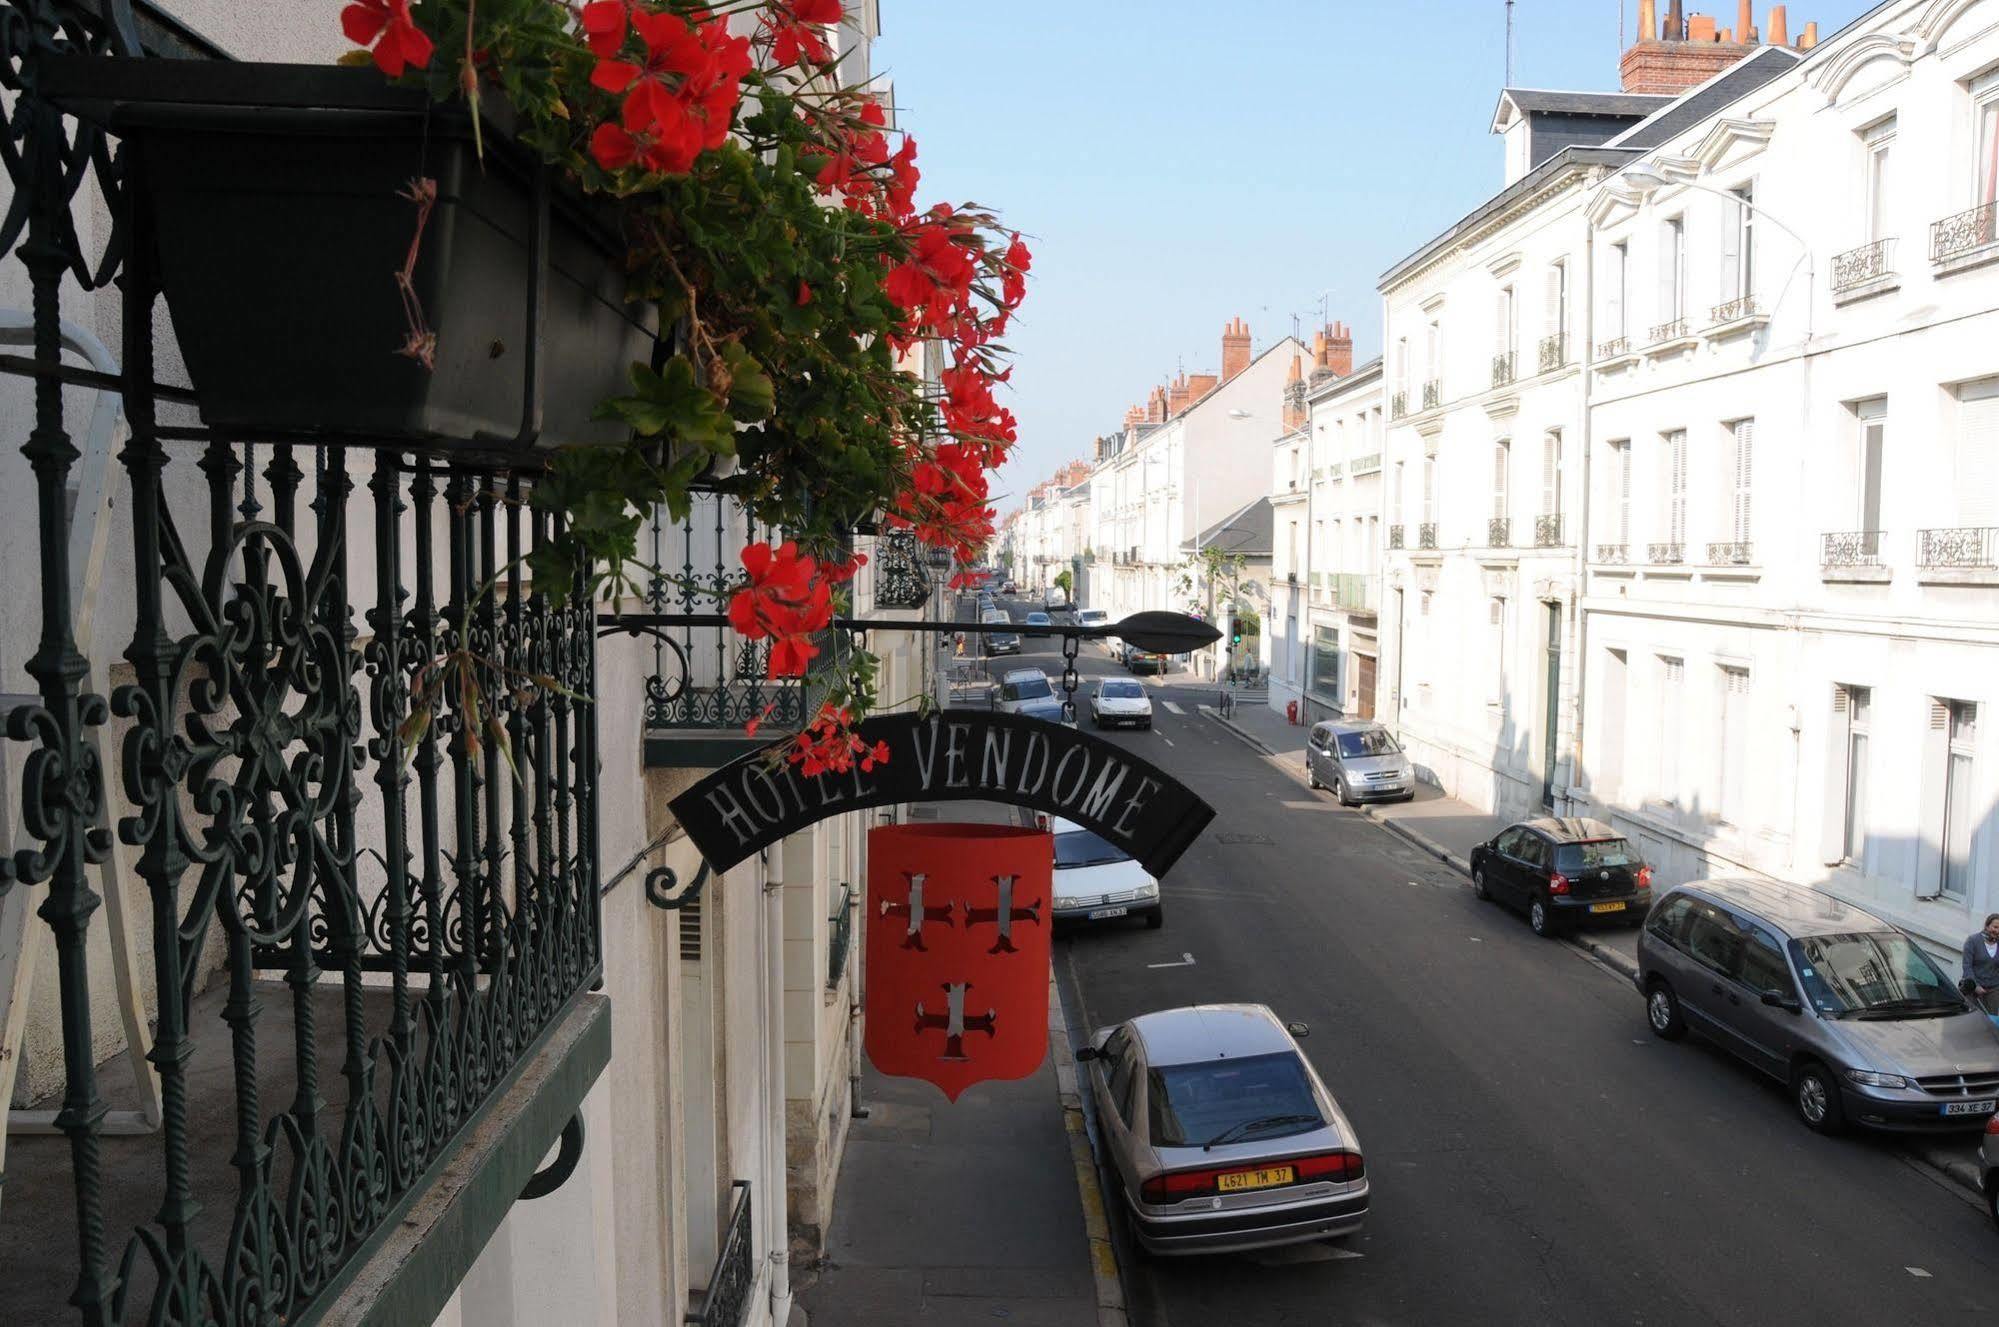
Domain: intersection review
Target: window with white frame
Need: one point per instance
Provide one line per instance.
(1672, 673)
(1738, 245)
(1620, 492)
(1731, 741)
(1506, 332)
(1673, 271)
(1976, 469)
(1429, 490)
(1617, 289)
(1673, 456)
(1397, 496)
(1985, 139)
(1496, 642)
(1502, 462)
(1871, 419)
(1557, 324)
(1742, 442)
(1846, 820)
(1954, 735)
(1551, 473)
(1609, 772)
(1877, 143)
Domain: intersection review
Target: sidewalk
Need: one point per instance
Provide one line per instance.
(1448, 829)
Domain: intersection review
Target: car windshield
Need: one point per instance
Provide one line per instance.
(1082, 848)
(1192, 1104)
(1038, 619)
(1029, 688)
(1872, 974)
(1122, 691)
(1368, 742)
(1591, 856)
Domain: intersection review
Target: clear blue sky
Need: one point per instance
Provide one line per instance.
(1177, 163)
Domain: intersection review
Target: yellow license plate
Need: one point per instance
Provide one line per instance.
(1606, 907)
(1255, 1179)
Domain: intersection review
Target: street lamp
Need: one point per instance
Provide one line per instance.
(1648, 180)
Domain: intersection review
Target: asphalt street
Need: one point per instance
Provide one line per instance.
(1537, 1156)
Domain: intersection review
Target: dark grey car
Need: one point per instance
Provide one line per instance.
(1850, 1013)
(1359, 761)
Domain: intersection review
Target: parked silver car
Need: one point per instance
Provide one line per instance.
(1850, 1013)
(1221, 1135)
(1359, 761)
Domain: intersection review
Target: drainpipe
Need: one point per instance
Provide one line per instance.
(776, 1206)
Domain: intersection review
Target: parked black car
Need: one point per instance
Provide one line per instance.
(1564, 873)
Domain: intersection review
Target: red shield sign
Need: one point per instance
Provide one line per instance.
(958, 952)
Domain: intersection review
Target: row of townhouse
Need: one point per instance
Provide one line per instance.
(708, 1075)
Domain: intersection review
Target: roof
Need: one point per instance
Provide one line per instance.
(1210, 1032)
(1793, 909)
(1531, 101)
(1318, 389)
(1246, 531)
(1697, 104)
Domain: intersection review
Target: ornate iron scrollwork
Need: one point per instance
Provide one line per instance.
(901, 580)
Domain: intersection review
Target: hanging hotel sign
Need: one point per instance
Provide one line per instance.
(958, 950)
(952, 755)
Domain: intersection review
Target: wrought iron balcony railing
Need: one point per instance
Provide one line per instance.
(1395, 536)
(1732, 553)
(1502, 369)
(1548, 530)
(902, 580)
(1668, 331)
(1499, 532)
(1857, 267)
(1728, 311)
(1398, 405)
(1850, 548)
(1365, 465)
(1433, 393)
(725, 1302)
(1955, 236)
(1426, 535)
(1613, 554)
(1665, 554)
(1966, 546)
(841, 941)
(1554, 351)
(706, 678)
(1615, 348)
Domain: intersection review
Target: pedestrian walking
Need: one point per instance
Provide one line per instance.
(1981, 965)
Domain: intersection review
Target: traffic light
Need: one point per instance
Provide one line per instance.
(1235, 629)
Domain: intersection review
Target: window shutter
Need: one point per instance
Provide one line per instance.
(1552, 307)
(1832, 816)
(1839, 701)
(1620, 256)
(1668, 308)
(1731, 250)
(1499, 455)
(1978, 455)
(1624, 492)
(1551, 473)
(1745, 438)
(1936, 770)
(1502, 332)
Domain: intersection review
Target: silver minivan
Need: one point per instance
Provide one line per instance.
(1848, 1012)
(1359, 761)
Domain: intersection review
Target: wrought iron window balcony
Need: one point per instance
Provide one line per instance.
(1850, 548)
(1665, 554)
(1956, 236)
(1502, 369)
(1395, 536)
(1668, 331)
(1426, 535)
(1548, 530)
(1613, 554)
(1398, 405)
(725, 1302)
(1735, 553)
(1858, 267)
(1615, 348)
(1433, 393)
(1365, 465)
(1966, 546)
(1728, 311)
(1554, 351)
(1499, 532)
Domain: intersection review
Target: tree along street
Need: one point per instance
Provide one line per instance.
(1536, 1155)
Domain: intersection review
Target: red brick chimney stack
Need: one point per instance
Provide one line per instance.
(1691, 50)
(1177, 396)
(1155, 406)
(1294, 393)
(1134, 417)
(1235, 348)
(1745, 23)
(1339, 350)
(1780, 27)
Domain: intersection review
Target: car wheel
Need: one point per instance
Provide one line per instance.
(1156, 918)
(1541, 918)
(1340, 790)
(1816, 1096)
(1662, 1012)
(1312, 775)
(1478, 888)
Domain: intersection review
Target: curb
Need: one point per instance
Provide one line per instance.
(1959, 1171)
(1096, 1221)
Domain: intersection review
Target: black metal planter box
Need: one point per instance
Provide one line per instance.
(277, 209)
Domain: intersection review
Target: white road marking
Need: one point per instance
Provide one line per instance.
(1917, 1271)
(1164, 738)
(1186, 961)
(1475, 939)
(1171, 708)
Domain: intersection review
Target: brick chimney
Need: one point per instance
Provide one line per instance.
(1199, 385)
(1134, 417)
(1338, 354)
(1689, 50)
(1235, 348)
(1155, 406)
(1177, 396)
(1294, 394)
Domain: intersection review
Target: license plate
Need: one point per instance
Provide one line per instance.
(1968, 1107)
(1098, 914)
(1267, 1178)
(1606, 907)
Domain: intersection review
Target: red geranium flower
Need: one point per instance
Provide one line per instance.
(794, 28)
(386, 25)
(604, 26)
(785, 601)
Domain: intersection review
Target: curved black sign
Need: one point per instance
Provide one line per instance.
(955, 755)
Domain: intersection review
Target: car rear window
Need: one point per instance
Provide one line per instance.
(1082, 848)
(1192, 1103)
(1028, 688)
(1368, 742)
(1594, 856)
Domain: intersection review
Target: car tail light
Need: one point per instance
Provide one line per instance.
(1179, 1185)
(1645, 877)
(1558, 883)
(1992, 1125)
